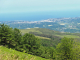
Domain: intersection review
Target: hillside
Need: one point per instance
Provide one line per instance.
(37, 31)
(10, 54)
(39, 42)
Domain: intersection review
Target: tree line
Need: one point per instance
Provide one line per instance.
(67, 49)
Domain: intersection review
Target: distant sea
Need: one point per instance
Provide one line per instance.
(37, 16)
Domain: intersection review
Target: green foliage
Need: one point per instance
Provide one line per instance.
(65, 51)
(47, 52)
(30, 42)
(6, 36)
(17, 37)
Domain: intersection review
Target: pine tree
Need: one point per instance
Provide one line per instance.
(6, 36)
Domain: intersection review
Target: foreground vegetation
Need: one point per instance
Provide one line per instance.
(10, 54)
(59, 49)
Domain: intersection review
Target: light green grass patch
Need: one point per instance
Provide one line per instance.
(68, 36)
(30, 30)
(43, 37)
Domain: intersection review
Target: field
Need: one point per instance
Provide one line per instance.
(10, 54)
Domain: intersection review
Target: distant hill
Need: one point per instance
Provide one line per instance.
(71, 25)
(38, 31)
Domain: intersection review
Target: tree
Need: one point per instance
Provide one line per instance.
(31, 43)
(65, 49)
(6, 36)
(17, 38)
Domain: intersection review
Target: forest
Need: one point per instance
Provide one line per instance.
(65, 49)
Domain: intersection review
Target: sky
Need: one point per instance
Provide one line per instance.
(24, 6)
(15, 6)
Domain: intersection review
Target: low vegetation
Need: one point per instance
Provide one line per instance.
(10, 54)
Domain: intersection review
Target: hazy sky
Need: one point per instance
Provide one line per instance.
(16, 6)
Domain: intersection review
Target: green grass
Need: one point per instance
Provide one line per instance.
(10, 54)
(68, 36)
(30, 30)
(43, 37)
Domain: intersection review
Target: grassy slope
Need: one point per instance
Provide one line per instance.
(10, 54)
(43, 37)
(51, 32)
(33, 30)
